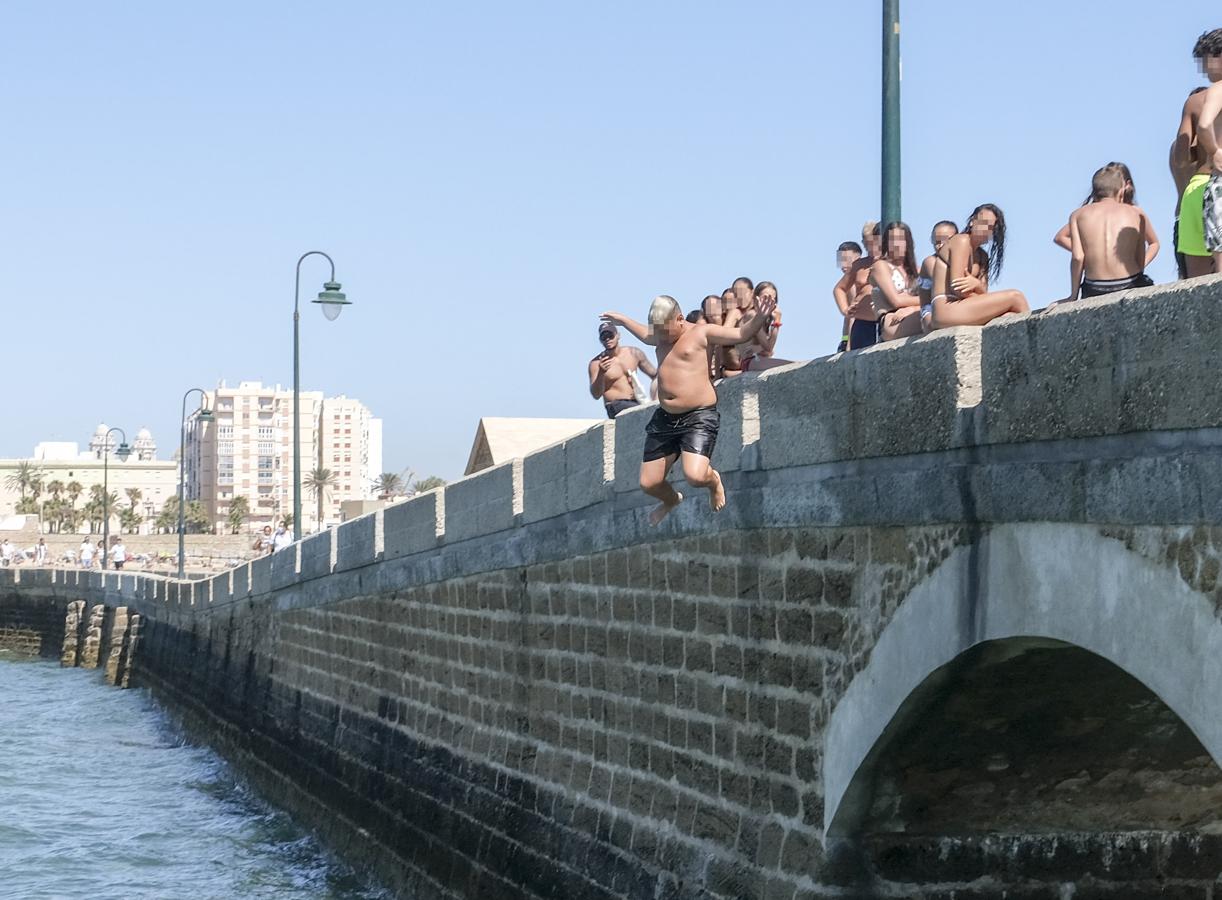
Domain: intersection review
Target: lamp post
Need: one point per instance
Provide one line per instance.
(333, 303)
(205, 415)
(123, 452)
(891, 113)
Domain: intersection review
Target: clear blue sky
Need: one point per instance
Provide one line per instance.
(490, 176)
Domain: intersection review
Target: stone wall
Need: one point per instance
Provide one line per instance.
(515, 688)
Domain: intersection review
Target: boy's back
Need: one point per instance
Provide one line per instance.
(1111, 235)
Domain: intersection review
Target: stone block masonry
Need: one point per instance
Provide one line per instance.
(515, 688)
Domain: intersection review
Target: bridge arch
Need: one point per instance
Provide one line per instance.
(1032, 583)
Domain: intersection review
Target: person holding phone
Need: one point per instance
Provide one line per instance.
(612, 372)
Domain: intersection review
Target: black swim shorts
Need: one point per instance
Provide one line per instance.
(694, 431)
(615, 407)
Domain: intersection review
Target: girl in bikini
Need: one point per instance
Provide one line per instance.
(962, 271)
(756, 354)
(942, 232)
(895, 302)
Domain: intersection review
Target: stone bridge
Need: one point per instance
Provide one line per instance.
(956, 635)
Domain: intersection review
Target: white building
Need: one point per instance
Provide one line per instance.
(63, 462)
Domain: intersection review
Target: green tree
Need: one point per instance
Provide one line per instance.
(133, 496)
(24, 477)
(239, 511)
(318, 482)
(27, 506)
(196, 518)
(167, 519)
(428, 484)
(389, 484)
(129, 519)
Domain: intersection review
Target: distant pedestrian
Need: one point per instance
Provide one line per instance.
(282, 538)
(85, 554)
(118, 554)
(6, 553)
(41, 553)
(263, 543)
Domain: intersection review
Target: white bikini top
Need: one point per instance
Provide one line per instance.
(901, 286)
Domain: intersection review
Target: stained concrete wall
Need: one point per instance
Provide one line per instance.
(547, 697)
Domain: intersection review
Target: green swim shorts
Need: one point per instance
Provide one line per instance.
(1192, 217)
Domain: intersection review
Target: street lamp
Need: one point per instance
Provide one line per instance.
(123, 452)
(205, 415)
(333, 302)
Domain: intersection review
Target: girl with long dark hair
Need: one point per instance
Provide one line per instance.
(892, 277)
(963, 269)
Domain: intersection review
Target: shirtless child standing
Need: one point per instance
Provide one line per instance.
(685, 425)
(853, 291)
(1209, 138)
(611, 372)
(1196, 144)
(1112, 241)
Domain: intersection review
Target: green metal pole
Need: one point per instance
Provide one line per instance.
(297, 523)
(182, 471)
(891, 112)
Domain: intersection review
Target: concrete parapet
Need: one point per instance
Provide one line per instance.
(414, 525)
(901, 397)
(285, 566)
(732, 395)
(570, 475)
(261, 575)
(1139, 360)
(629, 441)
(357, 542)
(241, 582)
(317, 555)
(484, 503)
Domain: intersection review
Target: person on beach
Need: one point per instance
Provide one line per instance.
(85, 554)
(1209, 137)
(1194, 146)
(892, 280)
(684, 427)
(1112, 239)
(854, 293)
(938, 236)
(612, 372)
(962, 270)
(846, 254)
(118, 554)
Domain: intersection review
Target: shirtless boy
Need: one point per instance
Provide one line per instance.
(1197, 141)
(846, 254)
(1209, 138)
(1112, 240)
(685, 425)
(612, 370)
(853, 291)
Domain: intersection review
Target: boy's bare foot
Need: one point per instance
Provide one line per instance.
(660, 511)
(717, 493)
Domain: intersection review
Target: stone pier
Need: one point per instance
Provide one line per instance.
(958, 634)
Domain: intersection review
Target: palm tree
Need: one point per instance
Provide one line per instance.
(134, 495)
(24, 477)
(50, 508)
(74, 490)
(239, 510)
(318, 482)
(428, 484)
(391, 484)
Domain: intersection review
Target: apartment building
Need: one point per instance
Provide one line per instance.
(247, 451)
